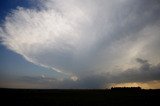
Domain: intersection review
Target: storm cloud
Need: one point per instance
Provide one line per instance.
(145, 73)
(88, 40)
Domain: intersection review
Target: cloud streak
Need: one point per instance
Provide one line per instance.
(81, 38)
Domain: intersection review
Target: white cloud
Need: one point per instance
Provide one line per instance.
(80, 38)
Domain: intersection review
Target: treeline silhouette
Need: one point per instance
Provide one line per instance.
(80, 97)
(126, 88)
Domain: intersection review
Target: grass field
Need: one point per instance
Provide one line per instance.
(70, 97)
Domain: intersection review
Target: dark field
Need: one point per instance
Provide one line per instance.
(20, 97)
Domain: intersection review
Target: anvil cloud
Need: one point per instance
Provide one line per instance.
(81, 38)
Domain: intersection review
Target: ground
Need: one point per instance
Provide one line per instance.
(57, 97)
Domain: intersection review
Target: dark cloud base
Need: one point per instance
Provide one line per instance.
(146, 72)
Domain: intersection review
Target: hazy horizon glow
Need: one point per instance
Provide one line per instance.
(90, 44)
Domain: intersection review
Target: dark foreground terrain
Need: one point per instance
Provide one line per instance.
(137, 97)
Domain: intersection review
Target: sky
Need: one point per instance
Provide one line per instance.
(79, 44)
